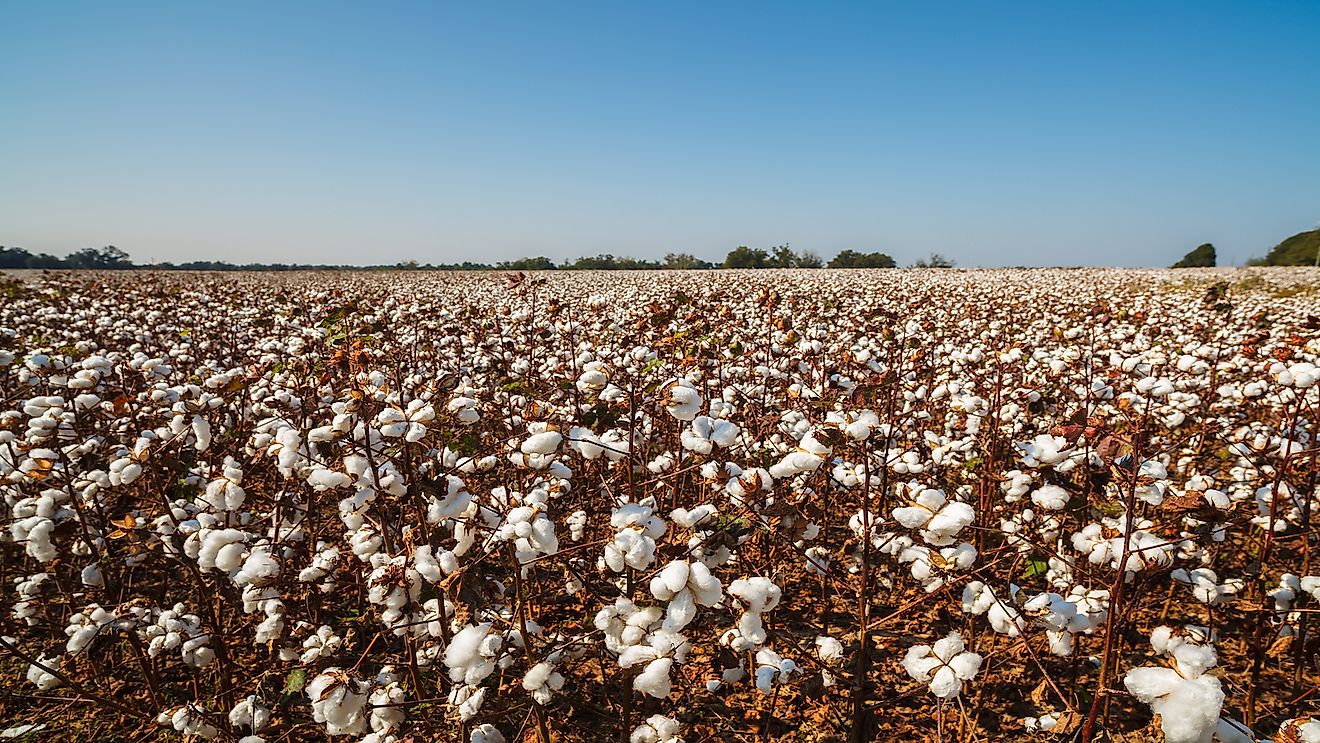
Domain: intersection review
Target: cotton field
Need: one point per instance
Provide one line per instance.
(915, 505)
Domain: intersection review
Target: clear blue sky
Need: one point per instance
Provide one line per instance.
(997, 133)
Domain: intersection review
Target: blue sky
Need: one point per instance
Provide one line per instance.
(995, 133)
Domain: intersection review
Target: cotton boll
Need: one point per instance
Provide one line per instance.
(249, 713)
(91, 576)
(654, 680)
(945, 665)
(656, 729)
(339, 701)
(542, 681)
(1050, 497)
(1188, 708)
(486, 733)
(39, 676)
(546, 442)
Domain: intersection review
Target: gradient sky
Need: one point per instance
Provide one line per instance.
(997, 133)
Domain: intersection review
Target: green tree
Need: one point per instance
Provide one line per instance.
(684, 261)
(1302, 249)
(14, 257)
(782, 256)
(745, 257)
(1203, 256)
(854, 259)
(934, 261)
(108, 257)
(539, 263)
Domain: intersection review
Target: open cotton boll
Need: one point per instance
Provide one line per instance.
(543, 681)
(259, 568)
(1050, 498)
(222, 549)
(249, 713)
(546, 442)
(1299, 730)
(939, 518)
(339, 701)
(946, 665)
(91, 576)
(1188, 708)
(682, 400)
(43, 679)
(486, 733)
(188, 721)
(771, 669)
(654, 679)
(656, 729)
(470, 652)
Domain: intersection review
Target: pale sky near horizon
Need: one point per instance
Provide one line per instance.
(332, 132)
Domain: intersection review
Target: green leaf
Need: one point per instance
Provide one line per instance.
(1036, 567)
(295, 681)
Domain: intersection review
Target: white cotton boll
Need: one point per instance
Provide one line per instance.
(249, 713)
(44, 680)
(339, 702)
(654, 679)
(1050, 497)
(682, 401)
(759, 594)
(36, 532)
(829, 650)
(468, 699)
(546, 442)
(543, 681)
(486, 733)
(670, 580)
(701, 515)
(465, 656)
(656, 729)
(946, 665)
(201, 430)
(1188, 708)
(91, 576)
(322, 479)
(259, 568)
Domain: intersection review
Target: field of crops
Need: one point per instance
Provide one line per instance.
(910, 505)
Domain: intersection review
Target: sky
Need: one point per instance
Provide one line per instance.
(994, 133)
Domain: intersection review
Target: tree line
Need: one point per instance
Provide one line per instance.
(780, 256)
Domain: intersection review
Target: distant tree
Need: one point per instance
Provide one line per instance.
(539, 263)
(1202, 256)
(1302, 249)
(684, 261)
(782, 256)
(934, 261)
(854, 259)
(745, 257)
(14, 257)
(108, 257)
(46, 260)
(808, 259)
